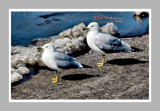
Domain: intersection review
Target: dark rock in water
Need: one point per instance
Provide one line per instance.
(55, 19)
(45, 23)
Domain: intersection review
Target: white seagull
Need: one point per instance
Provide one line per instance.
(57, 60)
(104, 43)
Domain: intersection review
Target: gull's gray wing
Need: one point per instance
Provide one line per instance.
(64, 61)
(62, 56)
(111, 44)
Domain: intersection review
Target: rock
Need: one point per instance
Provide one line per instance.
(75, 32)
(44, 23)
(110, 28)
(69, 46)
(15, 77)
(16, 63)
(22, 70)
(40, 41)
(25, 55)
(66, 33)
(12, 70)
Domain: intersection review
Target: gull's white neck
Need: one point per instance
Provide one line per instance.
(92, 32)
(50, 50)
(91, 36)
(48, 59)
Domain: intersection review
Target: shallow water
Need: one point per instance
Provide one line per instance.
(26, 26)
(33, 71)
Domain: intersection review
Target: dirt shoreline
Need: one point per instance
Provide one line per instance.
(124, 76)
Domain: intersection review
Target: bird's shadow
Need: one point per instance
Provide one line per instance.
(134, 49)
(126, 61)
(76, 77)
(86, 66)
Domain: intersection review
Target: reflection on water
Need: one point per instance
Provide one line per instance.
(26, 26)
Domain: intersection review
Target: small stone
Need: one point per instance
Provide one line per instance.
(15, 77)
(22, 70)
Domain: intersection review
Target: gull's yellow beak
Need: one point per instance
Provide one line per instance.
(39, 48)
(85, 28)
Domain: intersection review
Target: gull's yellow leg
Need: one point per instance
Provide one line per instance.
(55, 80)
(101, 63)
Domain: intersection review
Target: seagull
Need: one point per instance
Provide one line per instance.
(104, 43)
(57, 60)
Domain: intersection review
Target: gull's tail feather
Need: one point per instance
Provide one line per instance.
(126, 47)
(79, 65)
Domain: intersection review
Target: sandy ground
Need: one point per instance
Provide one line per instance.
(124, 76)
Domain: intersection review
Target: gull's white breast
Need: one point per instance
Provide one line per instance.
(49, 60)
(91, 36)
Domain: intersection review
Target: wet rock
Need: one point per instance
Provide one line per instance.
(44, 23)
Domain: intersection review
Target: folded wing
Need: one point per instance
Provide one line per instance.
(66, 62)
(111, 44)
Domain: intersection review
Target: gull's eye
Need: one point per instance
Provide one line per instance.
(92, 25)
(46, 46)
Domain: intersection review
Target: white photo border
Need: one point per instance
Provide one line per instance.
(75, 10)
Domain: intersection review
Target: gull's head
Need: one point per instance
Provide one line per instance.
(93, 26)
(47, 47)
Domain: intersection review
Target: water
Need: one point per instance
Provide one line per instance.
(33, 71)
(26, 26)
